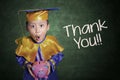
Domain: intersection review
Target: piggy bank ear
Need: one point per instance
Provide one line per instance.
(33, 68)
(46, 66)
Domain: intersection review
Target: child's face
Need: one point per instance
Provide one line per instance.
(38, 29)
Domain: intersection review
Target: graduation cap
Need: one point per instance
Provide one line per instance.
(37, 14)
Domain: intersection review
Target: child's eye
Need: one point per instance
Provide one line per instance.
(41, 25)
(32, 26)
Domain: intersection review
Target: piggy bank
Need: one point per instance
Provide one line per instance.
(41, 69)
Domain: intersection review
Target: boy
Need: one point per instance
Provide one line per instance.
(38, 46)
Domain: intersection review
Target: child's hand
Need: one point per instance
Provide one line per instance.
(48, 66)
(29, 66)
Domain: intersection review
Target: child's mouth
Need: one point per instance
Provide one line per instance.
(37, 38)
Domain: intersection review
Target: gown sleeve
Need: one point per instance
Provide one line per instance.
(22, 61)
(55, 60)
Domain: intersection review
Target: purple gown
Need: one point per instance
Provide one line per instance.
(52, 76)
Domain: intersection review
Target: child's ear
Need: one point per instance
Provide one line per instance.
(26, 27)
(48, 27)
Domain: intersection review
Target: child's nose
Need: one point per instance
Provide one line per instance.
(38, 30)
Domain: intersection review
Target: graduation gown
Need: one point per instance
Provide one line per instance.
(28, 52)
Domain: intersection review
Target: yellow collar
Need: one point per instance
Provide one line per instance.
(28, 49)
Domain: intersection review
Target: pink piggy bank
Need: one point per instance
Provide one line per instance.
(41, 69)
